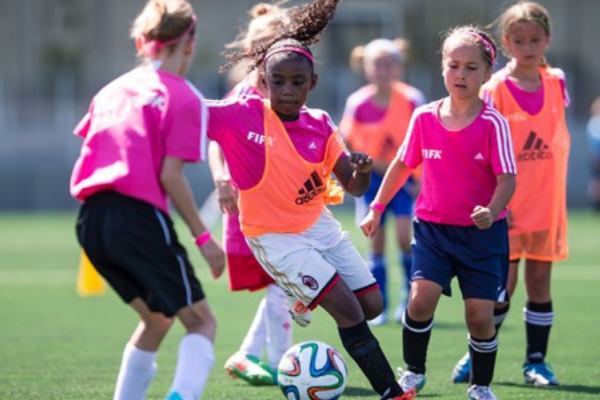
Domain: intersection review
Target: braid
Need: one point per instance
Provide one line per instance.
(304, 24)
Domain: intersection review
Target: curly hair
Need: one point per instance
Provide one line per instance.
(304, 24)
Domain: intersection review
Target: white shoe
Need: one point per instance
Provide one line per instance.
(481, 393)
(299, 312)
(410, 381)
(381, 319)
(399, 312)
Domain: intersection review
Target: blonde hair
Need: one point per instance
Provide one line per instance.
(470, 34)
(398, 47)
(163, 21)
(263, 21)
(523, 11)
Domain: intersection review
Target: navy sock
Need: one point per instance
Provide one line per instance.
(538, 322)
(483, 359)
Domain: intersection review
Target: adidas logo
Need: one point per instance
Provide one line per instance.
(311, 189)
(534, 149)
(479, 156)
(312, 146)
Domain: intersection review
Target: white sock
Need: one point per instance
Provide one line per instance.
(137, 370)
(195, 359)
(278, 324)
(256, 337)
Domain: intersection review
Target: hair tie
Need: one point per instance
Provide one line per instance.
(289, 49)
(488, 46)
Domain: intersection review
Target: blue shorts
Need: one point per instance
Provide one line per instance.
(478, 258)
(401, 205)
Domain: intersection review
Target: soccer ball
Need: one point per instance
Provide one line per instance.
(312, 371)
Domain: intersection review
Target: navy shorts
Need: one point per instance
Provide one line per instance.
(401, 205)
(134, 247)
(478, 258)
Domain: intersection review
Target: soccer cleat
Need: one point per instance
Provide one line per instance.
(379, 320)
(462, 370)
(299, 312)
(410, 381)
(249, 369)
(481, 393)
(539, 374)
(410, 395)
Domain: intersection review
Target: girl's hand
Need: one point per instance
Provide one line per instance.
(361, 162)
(482, 217)
(370, 224)
(215, 257)
(227, 196)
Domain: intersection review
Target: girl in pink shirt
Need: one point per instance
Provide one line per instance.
(280, 156)
(460, 230)
(271, 328)
(139, 132)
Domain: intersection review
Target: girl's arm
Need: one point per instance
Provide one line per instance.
(354, 172)
(394, 179)
(226, 193)
(180, 194)
(484, 217)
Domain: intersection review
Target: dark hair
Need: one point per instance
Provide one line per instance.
(476, 36)
(302, 26)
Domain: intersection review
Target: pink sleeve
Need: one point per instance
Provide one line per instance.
(222, 115)
(501, 146)
(83, 127)
(563, 85)
(185, 137)
(410, 152)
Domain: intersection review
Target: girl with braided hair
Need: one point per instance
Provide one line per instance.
(280, 155)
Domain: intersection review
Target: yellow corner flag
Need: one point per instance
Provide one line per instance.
(89, 281)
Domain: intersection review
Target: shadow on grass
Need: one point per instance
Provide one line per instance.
(561, 388)
(364, 392)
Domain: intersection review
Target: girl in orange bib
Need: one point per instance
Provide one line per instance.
(280, 155)
(532, 97)
(375, 121)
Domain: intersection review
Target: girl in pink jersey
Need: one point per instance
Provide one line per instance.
(280, 156)
(375, 121)
(271, 328)
(532, 97)
(460, 229)
(139, 132)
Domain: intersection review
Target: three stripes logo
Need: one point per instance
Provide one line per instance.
(535, 149)
(311, 189)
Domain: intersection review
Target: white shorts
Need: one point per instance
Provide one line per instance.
(307, 265)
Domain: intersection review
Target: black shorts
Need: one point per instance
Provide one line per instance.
(134, 247)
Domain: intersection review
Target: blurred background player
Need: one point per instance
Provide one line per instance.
(465, 149)
(375, 121)
(271, 329)
(280, 155)
(532, 96)
(139, 132)
(593, 130)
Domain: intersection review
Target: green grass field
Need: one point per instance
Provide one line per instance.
(57, 345)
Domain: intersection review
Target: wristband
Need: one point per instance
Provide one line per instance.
(203, 238)
(377, 207)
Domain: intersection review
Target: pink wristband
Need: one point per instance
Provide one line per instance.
(377, 207)
(203, 238)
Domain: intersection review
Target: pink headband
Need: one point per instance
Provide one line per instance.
(488, 46)
(151, 47)
(289, 48)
